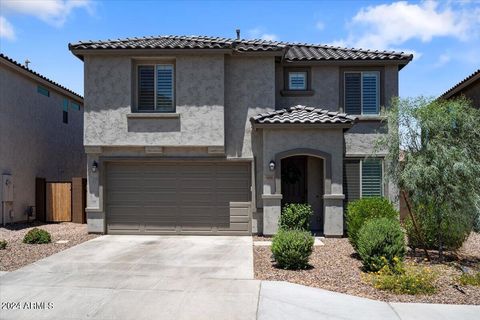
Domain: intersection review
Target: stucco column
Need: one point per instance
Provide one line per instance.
(333, 222)
(94, 209)
(271, 213)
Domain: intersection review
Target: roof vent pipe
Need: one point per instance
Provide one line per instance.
(238, 34)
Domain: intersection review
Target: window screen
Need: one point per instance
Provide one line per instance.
(297, 81)
(372, 178)
(370, 99)
(351, 180)
(164, 95)
(155, 88)
(146, 88)
(353, 93)
(362, 93)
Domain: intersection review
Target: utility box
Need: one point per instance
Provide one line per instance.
(7, 188)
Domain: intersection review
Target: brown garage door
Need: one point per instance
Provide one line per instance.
(177, 198)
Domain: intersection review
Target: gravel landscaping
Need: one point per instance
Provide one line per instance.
(335, 267)
(18, 254)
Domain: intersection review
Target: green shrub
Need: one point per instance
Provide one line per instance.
(292, 248)
(470, 279)
(402, 279)
(361, 210)
(3, 244)
(454, 229)
(380, 242)
(36, 235)
(296, 216)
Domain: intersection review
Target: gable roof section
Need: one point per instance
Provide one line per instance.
(303, 115)
(461, 85)
(289, 51)
(38, 77)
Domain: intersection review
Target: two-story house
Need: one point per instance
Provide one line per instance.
(41, 136)
(202, 135)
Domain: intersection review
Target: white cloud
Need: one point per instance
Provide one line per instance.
(388, 25)
(443, 59)
(6, 29)
(259, 33)
(320, 25)
(54, 12)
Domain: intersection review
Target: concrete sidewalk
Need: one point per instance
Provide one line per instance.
(284, 300)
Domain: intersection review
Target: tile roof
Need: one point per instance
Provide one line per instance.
(36, 74)
(291, 51)
(303, 115)
(462, 84)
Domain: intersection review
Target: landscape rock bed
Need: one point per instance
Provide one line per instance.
(18, 254)
(336, 267)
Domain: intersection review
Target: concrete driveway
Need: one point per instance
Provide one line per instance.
(138, 277)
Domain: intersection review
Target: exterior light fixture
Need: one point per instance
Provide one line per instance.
(94, 166)
(271, 165)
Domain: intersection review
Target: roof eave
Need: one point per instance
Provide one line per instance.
(42, 80)
(459, 87)
(301, 125)
(348, 62)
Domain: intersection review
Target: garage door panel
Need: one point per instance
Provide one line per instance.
(193, 198)
(179, 198)
(125, 225)
(159, 197)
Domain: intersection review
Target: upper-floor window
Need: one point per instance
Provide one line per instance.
(362, 92)
(43, 90)
(74, 105)
(65, 110)
(155, 88)
(297, 80)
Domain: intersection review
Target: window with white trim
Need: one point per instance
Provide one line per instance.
(362, 92)
(155, 88)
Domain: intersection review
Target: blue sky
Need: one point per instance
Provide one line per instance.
(444, 36)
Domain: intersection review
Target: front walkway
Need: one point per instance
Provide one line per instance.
(180, 277)
(284, 300)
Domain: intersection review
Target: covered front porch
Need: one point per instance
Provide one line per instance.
(301, 161)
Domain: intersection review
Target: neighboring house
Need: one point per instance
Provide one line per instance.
(468, 87)
(41, 132)
(201, 135)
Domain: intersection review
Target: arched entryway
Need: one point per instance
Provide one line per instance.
(302, 182)
(304, 177)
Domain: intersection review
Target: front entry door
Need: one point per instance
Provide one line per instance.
(302, 182)
(294, 182)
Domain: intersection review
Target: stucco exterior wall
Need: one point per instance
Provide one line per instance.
(199, 99)
(34, 141)
(249, 90)
(325, 84)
